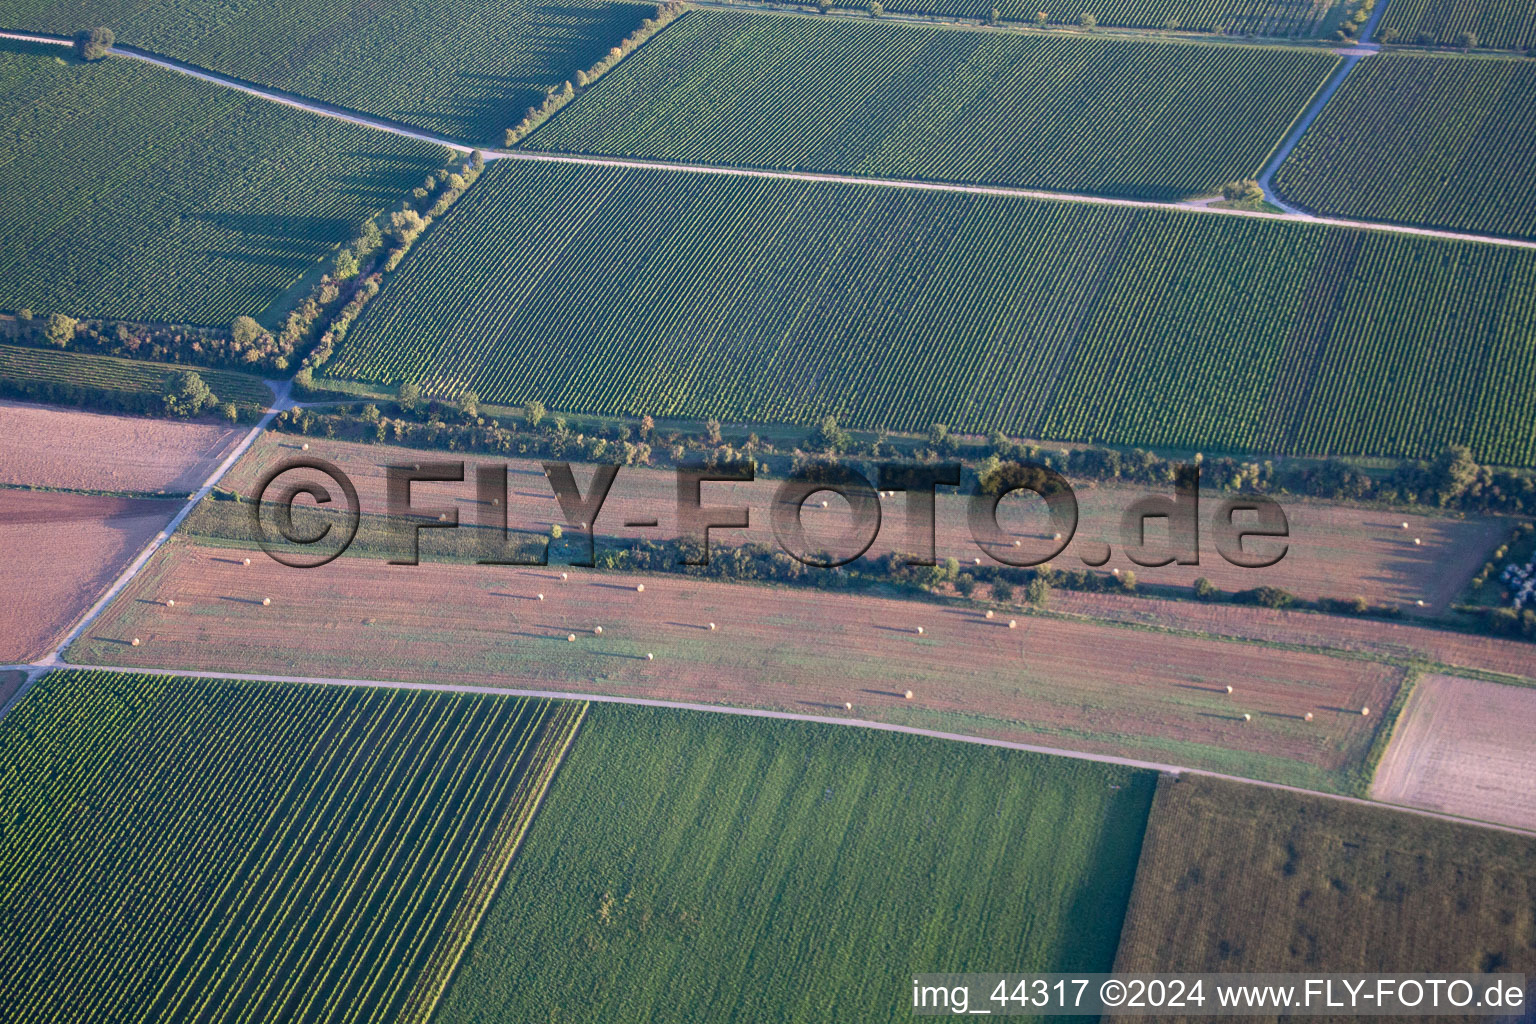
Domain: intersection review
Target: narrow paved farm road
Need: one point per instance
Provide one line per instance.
(791, 716)
(1197, 205)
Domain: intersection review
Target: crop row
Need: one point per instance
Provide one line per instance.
(191, 850)
(142, 194)
(466, 68)
(1111, 116)
(25, 367)
(645, 292)
(1450, 146)
(1505, 24)
(1271, 18)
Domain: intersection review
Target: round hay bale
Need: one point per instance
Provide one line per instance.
(1307, 717)
(650, 657)
(266, 601)
(1055, 536)
(908, 695)
(1229, 689)
(571, 638)
(978, 561)
(919, 630)
(171, 603)
(711, 625)
(598, 630)
(1114, 572)
(989, 613)
(823, 504)
(495, 501)
(639, 588)
(847, 706)
(135, 641)
(1247, 717)
(304, 447)
(1420, 602)
(565, 576)
(1364, 712)
(1013, 623)
(1405, 526)
(246, 562)
(541, 597)
(1417, 542)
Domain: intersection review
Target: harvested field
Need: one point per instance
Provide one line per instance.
(1463, 746)
(1400, 640)
(1334, 550)
(60, 551)
(10, 682)
(1241, 878)
(1083, 686)
(46, 446)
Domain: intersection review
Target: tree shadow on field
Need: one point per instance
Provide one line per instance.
(294, 231)
(885, 693)
(820, 704)
(241, 600)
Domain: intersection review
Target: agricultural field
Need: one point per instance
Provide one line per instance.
(1153, 120)
(803, 870)
(466, 69)
(44, 446)
(1235, 878)
(182, 849)
(61, 552)
(1334, 550)
(1463, 747)
(1270, 18)
(1045, 680)
(1500, 24)
(607, 290)
(142, 194)
(1450, 146)
(135, 384)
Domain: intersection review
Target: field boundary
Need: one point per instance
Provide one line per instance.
(792, 716)
(379, 124)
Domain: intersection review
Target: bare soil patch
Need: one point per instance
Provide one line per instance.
(58, 553)
(1463, 746)
(1334, 550)
(1084, 686)
(45, 446)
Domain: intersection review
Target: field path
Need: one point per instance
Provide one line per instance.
(792, 716)
(1352, 55)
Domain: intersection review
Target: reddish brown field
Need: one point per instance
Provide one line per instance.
(1464, 747)
(58, 553)
(43, 446)
(1369, 636)
(1063, 683)
(1334, 550)
(10, 682)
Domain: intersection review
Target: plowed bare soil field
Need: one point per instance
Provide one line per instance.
(1367, 636)
(1096, 688)
(1334, 550)
(45, 446)
(58, 553)
(1463, 746)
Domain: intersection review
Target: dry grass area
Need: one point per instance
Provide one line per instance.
(44, 446)
(1105, 689)
(1464, 747)
(58, 553)
(1238, 878)
(1334, 550)
(1402, 640)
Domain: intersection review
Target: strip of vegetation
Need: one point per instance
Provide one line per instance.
(182, 849)
(128, 385)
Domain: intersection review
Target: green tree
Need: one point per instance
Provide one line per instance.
(828, 436)
(712, 431)
(1205, 590)
(1467, 40)
(477, 161)
(1088, 22)
(230, 412)
(60, 329)
(246, 332)
(469, 405)
(408, 394)
(994, 16)
(1042, 19)
(1002, 590)
(187, 394)
(876, 9)
(1128, 581)
(1454, 471)
(345, 265)
(94, 43)
(533, 412)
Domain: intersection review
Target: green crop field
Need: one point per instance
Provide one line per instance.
(1505, 24)
(1111, 116)
(1237, 878)
(1272, 18)
(1450, 146)
(54, 375)
(465, 68)
(183, 850)
(693, 867)
(140, 193)
(646, 292)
